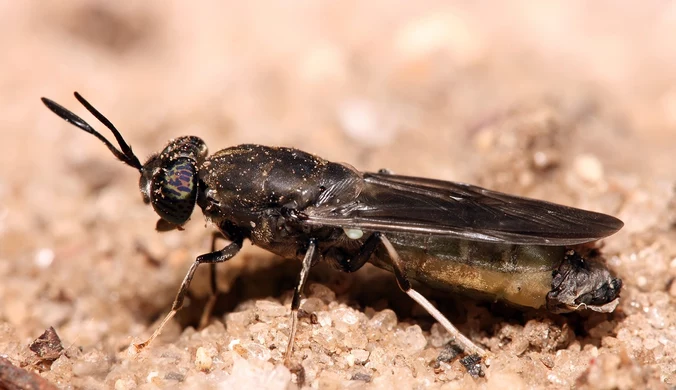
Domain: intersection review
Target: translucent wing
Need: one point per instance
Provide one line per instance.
(393, 203)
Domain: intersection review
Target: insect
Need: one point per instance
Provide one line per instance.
(449, 235)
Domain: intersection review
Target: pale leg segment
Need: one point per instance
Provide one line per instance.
(466, 344)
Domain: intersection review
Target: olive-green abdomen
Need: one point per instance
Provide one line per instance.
(519, 274)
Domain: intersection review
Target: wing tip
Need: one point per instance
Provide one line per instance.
(609, 224)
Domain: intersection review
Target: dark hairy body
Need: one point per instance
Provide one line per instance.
(452, 236)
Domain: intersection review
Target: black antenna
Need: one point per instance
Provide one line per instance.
(125, 154)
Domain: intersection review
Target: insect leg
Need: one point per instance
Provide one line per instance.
(365, 252)
(209, 307)
(295, 301)
(209, 258)
(399, 272)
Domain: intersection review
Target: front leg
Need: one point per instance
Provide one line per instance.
(213, 292)
(210, 258)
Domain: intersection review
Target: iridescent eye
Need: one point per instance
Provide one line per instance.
(174, 190)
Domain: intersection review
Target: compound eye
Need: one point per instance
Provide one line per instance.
(174, 190)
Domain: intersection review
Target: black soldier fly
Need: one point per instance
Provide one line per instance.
(448, 235)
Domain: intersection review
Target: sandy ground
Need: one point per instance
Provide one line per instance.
(569, 103)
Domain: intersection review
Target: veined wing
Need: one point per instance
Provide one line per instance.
(394, 203)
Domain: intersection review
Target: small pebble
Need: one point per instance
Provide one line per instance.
(642, 281)
(588, 168)
(360, 355)
(268, 310)
(359, 120)
(125, 384)
(350, 360)
(385, 320)
(324, 318)
(151, 376)
(344, 318)
(411, 339)
(203, 361)
(44, 258)
(257, 351)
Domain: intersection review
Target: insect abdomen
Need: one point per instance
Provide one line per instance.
(519, 274)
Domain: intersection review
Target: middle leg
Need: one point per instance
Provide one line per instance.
(295, 301)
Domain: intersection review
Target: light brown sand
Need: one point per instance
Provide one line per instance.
(561, 102)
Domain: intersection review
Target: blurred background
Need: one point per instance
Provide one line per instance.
(573, 102)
